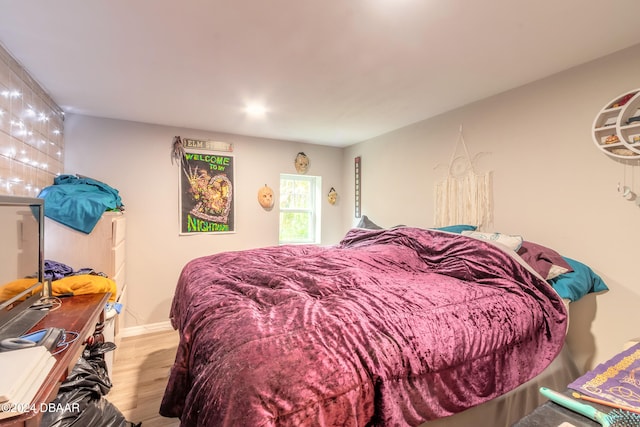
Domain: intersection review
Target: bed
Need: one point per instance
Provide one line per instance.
(399, 326)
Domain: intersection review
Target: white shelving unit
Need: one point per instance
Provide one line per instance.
(103, 250)
(616, 128)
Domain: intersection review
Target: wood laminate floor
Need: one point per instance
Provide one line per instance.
(140, 373)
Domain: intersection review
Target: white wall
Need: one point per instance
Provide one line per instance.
(551, 184)
(135, 159)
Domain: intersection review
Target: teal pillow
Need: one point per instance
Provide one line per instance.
(457, 228)
(577, 283)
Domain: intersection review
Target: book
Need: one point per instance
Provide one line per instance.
(617, 380)
(22, 373)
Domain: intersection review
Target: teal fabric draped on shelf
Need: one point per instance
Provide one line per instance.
(79, 202)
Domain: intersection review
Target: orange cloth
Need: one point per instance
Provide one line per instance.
(11, 289)
(80, 284)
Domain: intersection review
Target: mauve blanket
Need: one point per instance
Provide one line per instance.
(389, 327)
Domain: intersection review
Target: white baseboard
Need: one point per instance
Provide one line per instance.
(150, 328)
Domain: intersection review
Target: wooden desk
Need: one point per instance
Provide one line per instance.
(83, 314)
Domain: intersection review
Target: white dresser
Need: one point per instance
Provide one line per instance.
(103, 250)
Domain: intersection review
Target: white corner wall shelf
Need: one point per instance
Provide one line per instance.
(616, 128)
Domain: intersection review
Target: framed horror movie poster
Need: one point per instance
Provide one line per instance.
(207, 193)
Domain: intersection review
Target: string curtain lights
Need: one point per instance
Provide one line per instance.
(31, 132)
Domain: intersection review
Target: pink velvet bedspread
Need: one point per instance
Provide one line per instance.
(389, 327)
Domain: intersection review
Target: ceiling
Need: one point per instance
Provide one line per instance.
(331, 72)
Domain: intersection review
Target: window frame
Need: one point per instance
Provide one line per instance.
(314, 210)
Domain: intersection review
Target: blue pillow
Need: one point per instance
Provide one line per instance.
(577, 283)
(457, 228)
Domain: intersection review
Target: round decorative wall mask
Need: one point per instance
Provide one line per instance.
(616, 128)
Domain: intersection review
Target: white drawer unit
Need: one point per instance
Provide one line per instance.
(103, 250)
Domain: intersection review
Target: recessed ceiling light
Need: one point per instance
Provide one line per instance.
(255, 110)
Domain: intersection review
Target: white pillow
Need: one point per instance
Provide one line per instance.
(511, 241)
(555, 271)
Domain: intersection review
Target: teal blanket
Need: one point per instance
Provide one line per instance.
(79, 202)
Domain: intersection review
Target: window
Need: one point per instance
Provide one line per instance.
(300, 208)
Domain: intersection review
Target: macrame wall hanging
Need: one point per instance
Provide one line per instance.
(465, 195)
